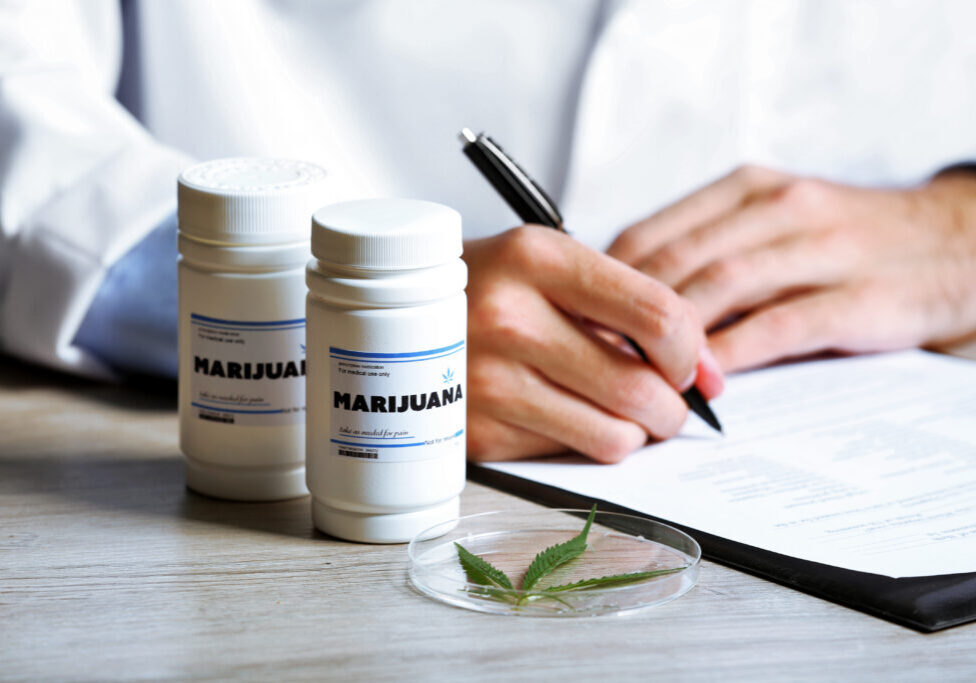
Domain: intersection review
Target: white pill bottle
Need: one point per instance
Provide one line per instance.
(387, 337)
(244, 243)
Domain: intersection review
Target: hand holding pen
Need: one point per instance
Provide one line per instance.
(540, 378)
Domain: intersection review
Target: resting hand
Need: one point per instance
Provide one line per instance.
(541, 380)
(808, 266)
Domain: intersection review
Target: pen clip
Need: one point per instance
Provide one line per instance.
(537, 194)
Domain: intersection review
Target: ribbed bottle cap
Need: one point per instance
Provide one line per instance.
(250, 200)
(386, 234)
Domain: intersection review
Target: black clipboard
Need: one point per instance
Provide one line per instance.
(926, 604)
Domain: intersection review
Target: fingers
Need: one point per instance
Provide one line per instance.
(708, 377)
(592, 285)
(740, 282)
(759, 223)
(569, 354)
(619, 383)
(710, 380)
(489, 440)
(797, 327)
(511, 394)
(856, 317)
(704, 206)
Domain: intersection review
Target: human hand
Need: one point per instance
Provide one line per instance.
(811, 266)
(542, 379)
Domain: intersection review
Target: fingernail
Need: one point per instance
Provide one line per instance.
(690, 379)
(710, 381)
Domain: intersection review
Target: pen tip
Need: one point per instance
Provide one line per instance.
(699, 406)
(466, 136)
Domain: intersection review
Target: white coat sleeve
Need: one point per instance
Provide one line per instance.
(80, 181)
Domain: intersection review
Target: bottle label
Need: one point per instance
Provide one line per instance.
(397, 407)
(248, 373)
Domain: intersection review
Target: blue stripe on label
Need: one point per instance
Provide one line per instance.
(412, 354)
(212, 326)
(237, 403)
(220, 409)
(378, 445)
(387, 445)
(250, 323)
(409, 360)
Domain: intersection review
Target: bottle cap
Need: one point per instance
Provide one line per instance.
(250, 200)
(386, 234)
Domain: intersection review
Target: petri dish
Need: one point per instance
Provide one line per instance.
(617, 544)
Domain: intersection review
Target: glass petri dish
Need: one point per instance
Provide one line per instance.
(509, 540)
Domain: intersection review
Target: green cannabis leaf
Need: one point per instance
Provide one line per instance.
(557, 555)
(480, 571)
(615, 580)
(494, 584)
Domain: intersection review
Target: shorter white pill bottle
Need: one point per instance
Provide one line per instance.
(387, 336)
(244, 243)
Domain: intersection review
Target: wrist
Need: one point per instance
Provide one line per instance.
(951, 194)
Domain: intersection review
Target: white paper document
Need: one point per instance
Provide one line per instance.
(864, 463)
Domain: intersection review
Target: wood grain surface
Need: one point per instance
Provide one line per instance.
(111, 569)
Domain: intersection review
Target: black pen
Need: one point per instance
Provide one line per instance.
(533, 205)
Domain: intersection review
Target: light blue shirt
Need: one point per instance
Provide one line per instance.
(132, 322)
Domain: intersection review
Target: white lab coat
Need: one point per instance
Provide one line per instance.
(617, 107)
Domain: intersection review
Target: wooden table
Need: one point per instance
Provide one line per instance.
(110, 568)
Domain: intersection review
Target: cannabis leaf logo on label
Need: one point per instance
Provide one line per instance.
(447, 376)
(494, 584)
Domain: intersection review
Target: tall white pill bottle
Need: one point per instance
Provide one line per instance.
(244, 243)
(387, 333)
